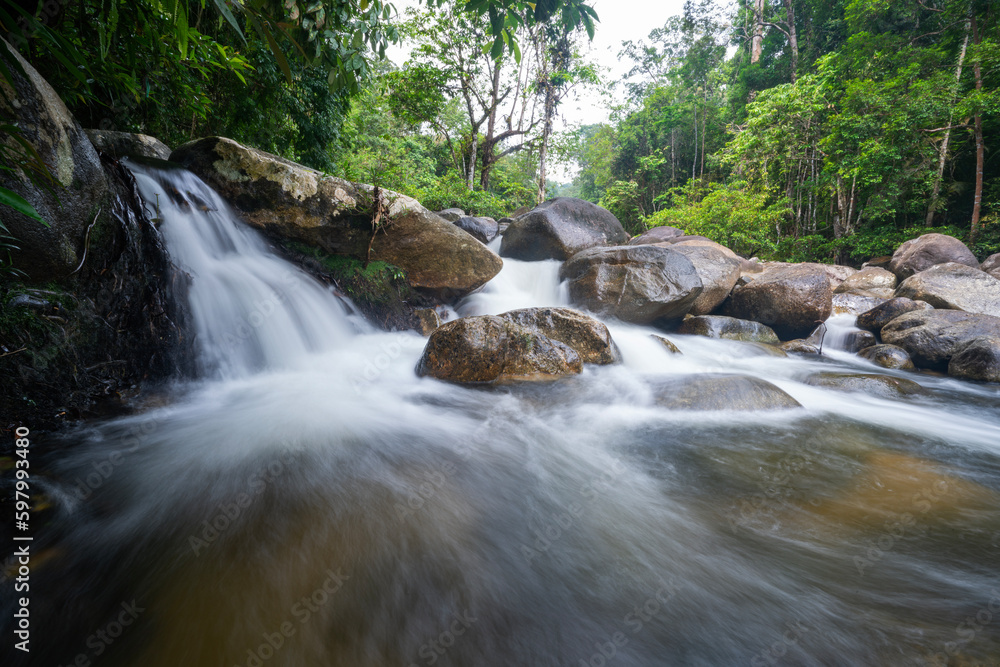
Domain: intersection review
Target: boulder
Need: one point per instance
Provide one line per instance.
(126, 144)
(718, 272)
(888, 356)
(452, 214)
(670, 347)
(868, 278)
(880, 262)
(855, 341)
(488, 350)
(955, 286)
(640, 284)
(991, 265)
(811, 345)
(933, 337)
(482, 229)
(428, 320)
(560, 228)
(292, 202)
(873, 320)
(979, 359)
(587, 336)
(721, 392)
(882, 386)
(762, 350)
(792, 300)
(855, 303)
(730, 328)
(80, 189)
(922, 253)
(439, 259)
(656, 235)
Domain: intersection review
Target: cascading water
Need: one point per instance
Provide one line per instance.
(313, 502)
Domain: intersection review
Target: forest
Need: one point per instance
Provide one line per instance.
(790, 129)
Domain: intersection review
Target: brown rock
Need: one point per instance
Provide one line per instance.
(991, 265)
(855, 303)
(640, 284)
(791, 300)
(671, 348)
(979, 359)
(488, 350)
(587, 336)
(439, 258)
(922, 253)
(867, 278)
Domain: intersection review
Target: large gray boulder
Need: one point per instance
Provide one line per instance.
(722, 392)
(640, 284)
(486, 349)
(559, 228)
(80, 188)
(292, 202)
(126, 144)
(718, 272)
(922, 253)
(954, 286)
(933, 337)
(979, 359)
(792, 300)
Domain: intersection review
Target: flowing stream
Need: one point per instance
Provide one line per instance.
(310, 501)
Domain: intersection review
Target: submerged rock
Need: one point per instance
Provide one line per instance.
(933, 337)
(730, 328)
(979, 359)
(888, 356)
(922, 253)
(487, 350)
(721, 392)
(670, 347)
(855, 341)
(640, 284)
(954, 286)
(560, 228)
(883, 386)
(791, 300)
(873, 320)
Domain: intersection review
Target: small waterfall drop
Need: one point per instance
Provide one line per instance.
(252, 310)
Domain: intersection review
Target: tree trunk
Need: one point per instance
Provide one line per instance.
(694, 164)
(489, 146)
(757, 43)
(704, 131)
(977, 200)
(793, 38)
(943, 156)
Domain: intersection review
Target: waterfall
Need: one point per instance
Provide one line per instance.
(311, 501)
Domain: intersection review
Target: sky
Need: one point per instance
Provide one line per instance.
(620, 20)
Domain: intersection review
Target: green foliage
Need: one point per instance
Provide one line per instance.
(622, 199)
(731, 214)
(450, 191)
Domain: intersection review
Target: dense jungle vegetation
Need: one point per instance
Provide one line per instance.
(788, 129)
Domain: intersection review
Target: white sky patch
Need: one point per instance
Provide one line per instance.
(620, 20)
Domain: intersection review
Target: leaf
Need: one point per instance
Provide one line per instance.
(20, 204)
(223, 8)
